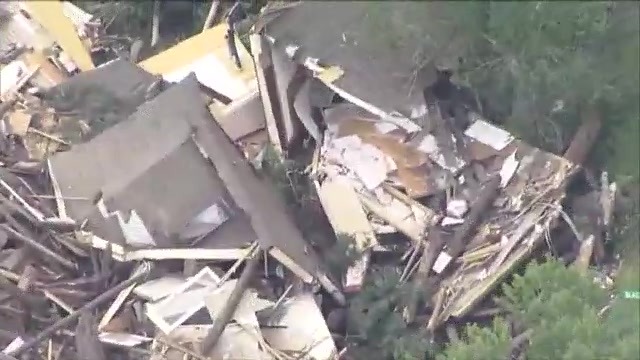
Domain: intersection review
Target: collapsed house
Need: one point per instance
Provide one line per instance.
(127, 192)
(396, 156)
(169, 178)
(149, 164)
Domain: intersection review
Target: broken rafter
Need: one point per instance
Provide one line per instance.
(433, 248)
(378, 210)
(212, 14)
(584, 138)
(155, 23)
(69, 319)
(37, 246)
(464, 233)
(226, 313)
(577, 153)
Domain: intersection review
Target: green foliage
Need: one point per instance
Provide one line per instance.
(290, 179)
(538, 63)
(535, 64)
(481, 343)
(376, 326)
(132, 19)
(563, 308)
(548, 291)
(341, 255)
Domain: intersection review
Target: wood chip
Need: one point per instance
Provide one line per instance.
(19, 121)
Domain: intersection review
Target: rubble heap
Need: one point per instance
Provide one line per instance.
(135, 226)
(140, 222)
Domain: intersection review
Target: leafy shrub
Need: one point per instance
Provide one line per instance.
(563, 309)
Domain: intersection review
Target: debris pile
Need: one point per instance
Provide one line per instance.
(135, 227)
(420, 180)
(472, 202)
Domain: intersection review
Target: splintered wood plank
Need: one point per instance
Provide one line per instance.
(584, 138)
(19, 121)
(346, 215)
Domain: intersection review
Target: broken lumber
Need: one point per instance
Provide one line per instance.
(374, 207)
(584, 138)
(37, 246)
(6, 106)
(155, 23)
(225, 315)
(66, 321)
(579, 149)
(433, 248)
(212, 14)
(584, 255)
(463, 234)
(88, 346)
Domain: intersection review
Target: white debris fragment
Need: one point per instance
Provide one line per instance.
(13, 346)
(419, 111)
(10, 75)
(206, 221)
(383, 228)
(441, 262)
(159, 288)
(489, 135)
(449, 221)
(135, 232)
(403, 122)
(291, 50)
(298, 326)
(508, 169)
(385, 127)
(123, 339)
(457, 208)
(429, 145)
(369, 164)
(483, 274)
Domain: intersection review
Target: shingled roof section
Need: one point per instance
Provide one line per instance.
(155, 163)
(388, 51)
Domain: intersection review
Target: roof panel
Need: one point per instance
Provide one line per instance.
(383, 47)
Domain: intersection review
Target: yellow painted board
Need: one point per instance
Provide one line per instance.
(51, 16)
(210, 46)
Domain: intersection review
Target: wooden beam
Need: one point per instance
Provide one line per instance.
(585, 137)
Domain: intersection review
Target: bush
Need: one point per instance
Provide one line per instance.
(564, 311)
(376, 329)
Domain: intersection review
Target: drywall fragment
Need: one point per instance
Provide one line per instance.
(298, 325)
(159, 288)
(205, 222)
(134, 230)
(172, 311)
(13, 345)
(429, 145)
(346, 215)
(441, 262)
(508, 169)
(385, 127)
(488, 134)
(122, 339)
(11, 74)
(369, 164)
(19, 121)
(457, 208)
(115, 306)
(245, 313)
